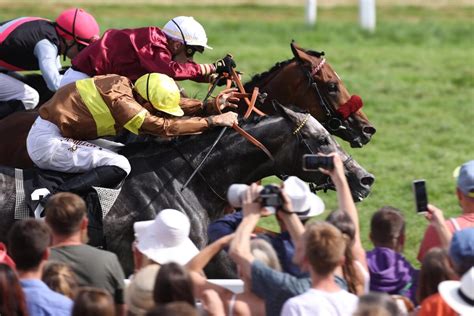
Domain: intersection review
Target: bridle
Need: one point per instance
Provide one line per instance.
(314, 187)
(333, 120)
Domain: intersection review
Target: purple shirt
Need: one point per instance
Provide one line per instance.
(391, 273)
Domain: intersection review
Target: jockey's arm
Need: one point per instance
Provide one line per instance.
(48, 60)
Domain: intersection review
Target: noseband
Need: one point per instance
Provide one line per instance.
(336, 118)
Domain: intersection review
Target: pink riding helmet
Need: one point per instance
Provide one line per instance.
(76, 24)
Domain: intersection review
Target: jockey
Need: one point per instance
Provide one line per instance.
(104, 105)
(135, 52)
(31, 43)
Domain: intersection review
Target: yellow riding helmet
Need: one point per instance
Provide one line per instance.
(161, 91)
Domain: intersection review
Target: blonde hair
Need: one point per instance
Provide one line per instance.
(263, 251)
(325, 247)
(60, 278)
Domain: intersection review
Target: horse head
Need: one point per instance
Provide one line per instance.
(313, 138)
(310, 83)
(288, 135)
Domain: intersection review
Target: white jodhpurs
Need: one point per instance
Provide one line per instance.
(72, 75)
(49, 150)
(14, 89)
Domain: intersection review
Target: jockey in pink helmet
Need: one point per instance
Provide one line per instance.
(32, 43)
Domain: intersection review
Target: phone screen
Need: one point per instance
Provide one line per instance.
(421, 197)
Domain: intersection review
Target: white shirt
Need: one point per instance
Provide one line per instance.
(319, 303)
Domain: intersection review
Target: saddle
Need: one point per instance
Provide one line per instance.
(33, 184)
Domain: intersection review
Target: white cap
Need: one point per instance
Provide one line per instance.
(192, 30)
(459, 295)
(165, 239)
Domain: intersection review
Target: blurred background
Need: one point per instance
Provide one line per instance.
(414, 72)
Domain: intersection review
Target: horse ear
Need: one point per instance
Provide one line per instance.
(287, 111)
(279, 108)
(299, 53)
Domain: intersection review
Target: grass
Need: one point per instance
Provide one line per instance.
(415, 75)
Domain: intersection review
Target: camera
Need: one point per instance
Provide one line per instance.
(270, 195)
(314, 162)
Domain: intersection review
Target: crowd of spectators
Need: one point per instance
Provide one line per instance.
(312, 267)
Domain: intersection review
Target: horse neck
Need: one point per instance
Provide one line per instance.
(242, 161)
(287, 84)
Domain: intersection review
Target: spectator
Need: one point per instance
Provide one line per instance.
(459, 295)
(353, 271)
(245, 303)
(465, 195)
(28, 242)
(139, 293)
(389, 271)
(461, 250)
(435, 269)
(377, 304)
(212, 303)
(324, 250)
(66, 216)
(272, 286)
(60, 278)
(173, 284)
(174, 309)
(162, 240)
(12, 299)
(92, 302)
(4, 257)
(306, 204)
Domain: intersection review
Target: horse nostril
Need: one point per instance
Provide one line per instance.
(368, 180)
(369, 130)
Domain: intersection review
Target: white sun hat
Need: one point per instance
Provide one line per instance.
(187, 27)
(459, 295)
(305, 203)
(165, 239)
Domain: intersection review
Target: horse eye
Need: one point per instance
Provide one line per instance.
(332, 87)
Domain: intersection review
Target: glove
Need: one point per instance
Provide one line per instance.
(224, 65)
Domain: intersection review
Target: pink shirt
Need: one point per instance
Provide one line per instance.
(431, 239)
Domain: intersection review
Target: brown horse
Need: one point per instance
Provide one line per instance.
(306, 81)
(309, 82)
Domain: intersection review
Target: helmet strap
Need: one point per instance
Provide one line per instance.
(189, 51)
(147, 85)
(68, 47)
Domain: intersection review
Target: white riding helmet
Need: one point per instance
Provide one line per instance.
(187, 27)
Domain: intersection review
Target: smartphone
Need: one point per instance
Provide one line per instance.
(421, 196)
(314, 162)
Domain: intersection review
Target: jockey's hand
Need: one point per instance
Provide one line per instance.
(228, 99)
(226, 119)
(224, 65)
(222, 81)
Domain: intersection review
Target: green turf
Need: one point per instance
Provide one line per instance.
(415, 75)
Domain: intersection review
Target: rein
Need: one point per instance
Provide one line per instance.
(251, 104)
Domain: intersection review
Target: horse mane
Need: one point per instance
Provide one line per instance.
(258, 77)
(261, 76)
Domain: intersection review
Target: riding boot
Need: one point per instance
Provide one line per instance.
(9, 107)
(105, 176)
